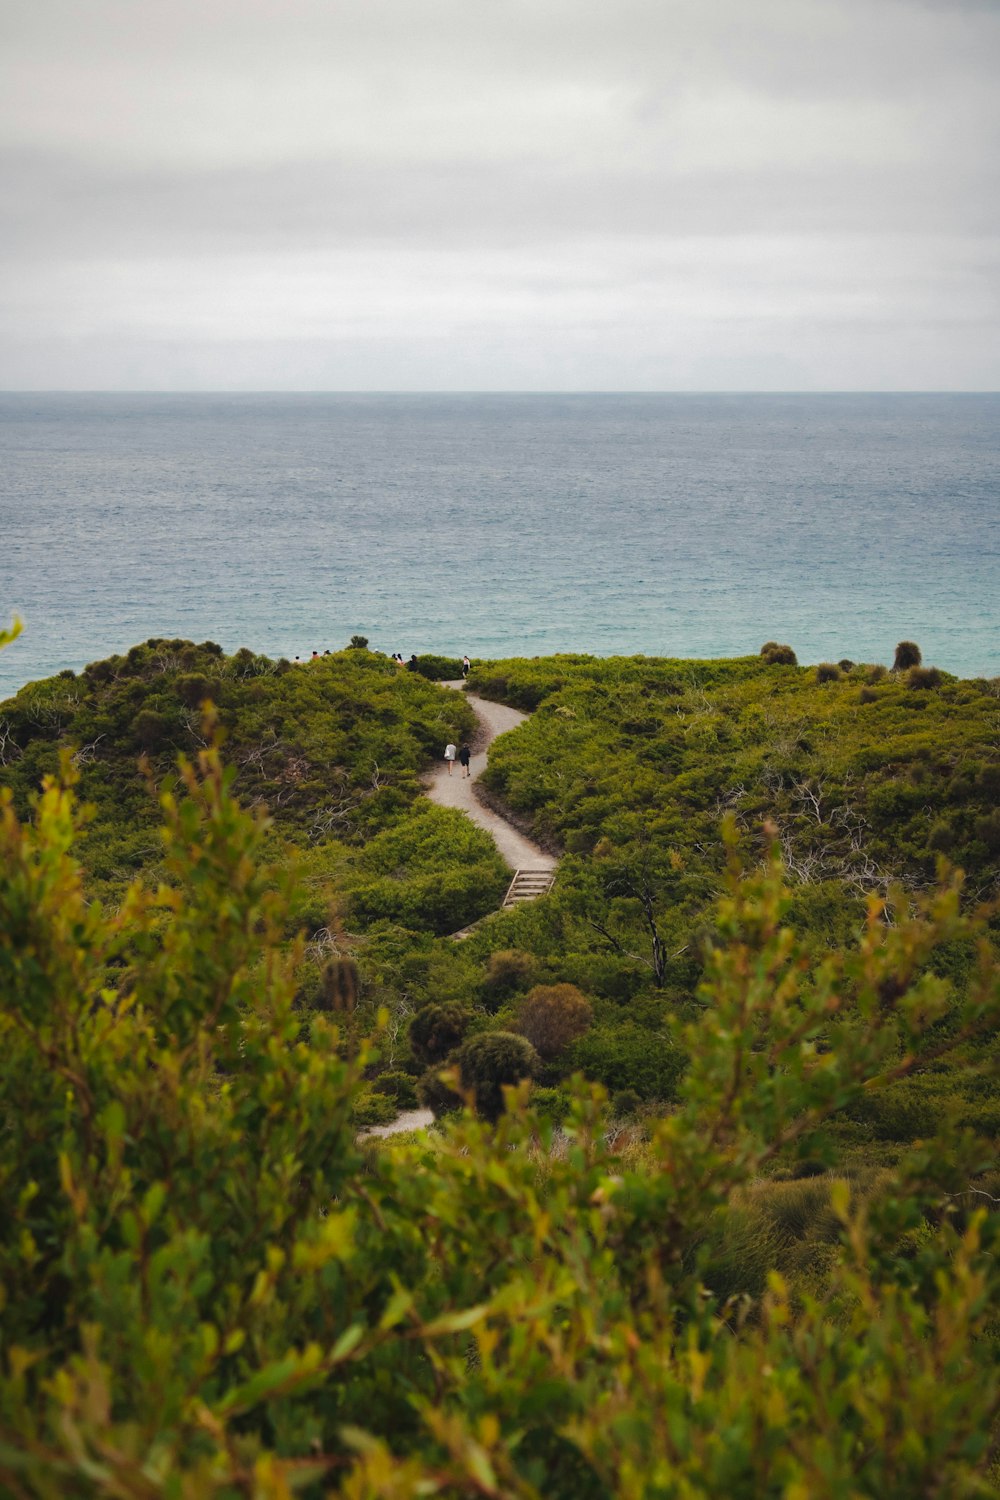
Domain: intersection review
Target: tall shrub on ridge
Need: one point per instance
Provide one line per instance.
(907, 655)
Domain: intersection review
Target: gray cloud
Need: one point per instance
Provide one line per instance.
(504, 193)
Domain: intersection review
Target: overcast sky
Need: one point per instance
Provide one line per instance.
(500, 194)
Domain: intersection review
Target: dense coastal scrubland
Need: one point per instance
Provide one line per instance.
(734, 1228)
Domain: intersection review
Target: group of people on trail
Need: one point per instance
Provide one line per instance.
(464, 756)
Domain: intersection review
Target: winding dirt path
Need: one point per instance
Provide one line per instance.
(456, 790)
(518, 852)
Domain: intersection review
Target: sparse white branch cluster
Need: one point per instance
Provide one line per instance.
(87, 753)
(10, 750)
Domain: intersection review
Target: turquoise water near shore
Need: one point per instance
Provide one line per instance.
(501, 525)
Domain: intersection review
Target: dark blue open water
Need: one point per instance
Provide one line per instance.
(663, 524)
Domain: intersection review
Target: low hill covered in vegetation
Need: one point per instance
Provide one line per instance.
(770, 1267)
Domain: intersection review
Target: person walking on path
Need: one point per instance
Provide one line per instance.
(464, 756)
(466, 664)
(449, 755)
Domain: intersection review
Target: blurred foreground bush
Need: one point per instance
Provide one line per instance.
(208, 1291)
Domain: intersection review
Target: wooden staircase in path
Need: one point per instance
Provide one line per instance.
(528, 884)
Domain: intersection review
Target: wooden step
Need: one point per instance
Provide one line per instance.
(528, 884)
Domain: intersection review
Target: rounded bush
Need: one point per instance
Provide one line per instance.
(923, 677)
(150, 729)
(435, 1095)
(437, 1029)
(553, 1015)
(907, 655)
(845, 664)
(193, 688)
(868, 695)
(876, 673)
(489, 1062)
(828, 671)
(373, 1109)
(777, 655)
(508, 971)
(941, 837)
(625, 1104)
(988, 831)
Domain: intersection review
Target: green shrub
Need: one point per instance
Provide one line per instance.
(399, 1087)
(988, 831)
(442, 902)
(868, 695)
(436, 1095)
(923, 677)
(437, 1029)
(553, 1105)
(941, 837)
(627, 1056)
(193, 688)
(489, 1062)
(358, 643)
(876, 673)
(372, 1109)
(440, 668)
(151, 730)
(625, 1104)
(508, 971)
(828, 671)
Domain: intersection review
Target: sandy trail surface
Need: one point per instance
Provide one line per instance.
(519, 853)
(456, 790)
(410, 1119)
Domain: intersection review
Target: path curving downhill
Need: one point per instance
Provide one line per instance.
(517, 851)
(456, 790)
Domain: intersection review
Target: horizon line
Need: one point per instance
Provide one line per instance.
(484, 391)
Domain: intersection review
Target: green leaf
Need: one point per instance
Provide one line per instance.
(455, 1322)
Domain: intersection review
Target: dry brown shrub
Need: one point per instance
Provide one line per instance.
(553, 1015)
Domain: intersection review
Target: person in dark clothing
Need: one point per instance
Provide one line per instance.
(412, 663)
(466, 664)
(464, 756)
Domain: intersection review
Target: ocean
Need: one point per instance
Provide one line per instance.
(676, 525)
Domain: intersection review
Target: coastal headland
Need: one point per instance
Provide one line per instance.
(723, 1096)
